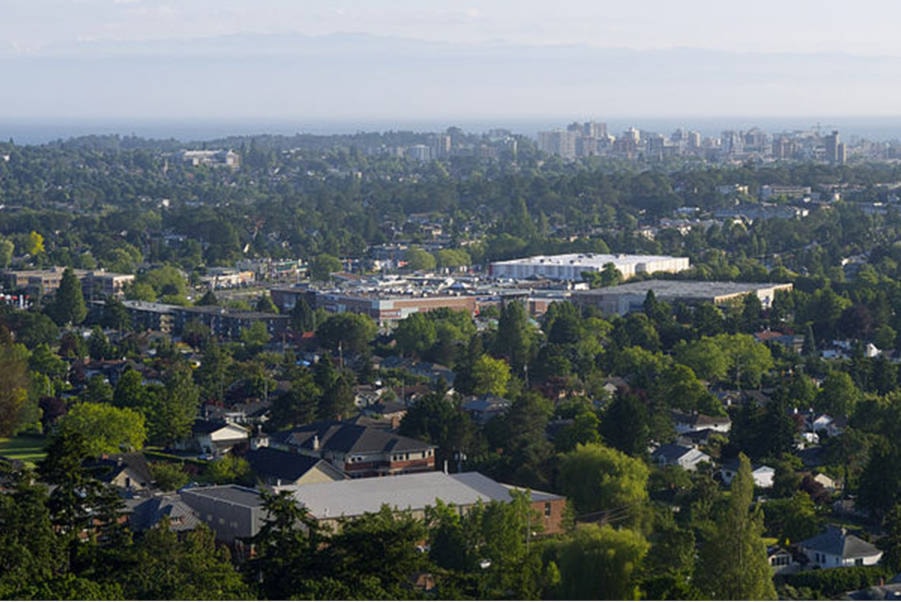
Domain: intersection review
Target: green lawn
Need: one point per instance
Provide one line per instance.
(25, 448)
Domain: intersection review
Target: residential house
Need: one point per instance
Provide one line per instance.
(359, 451)
(128, 471)
(673, 454)
(276, 467)
(762, 474)
(836, 547)
(218, 438)
(824, 422)
(686, 423)
(328, 502)
(781, 561)
(392, 411)
(146, 513)
(485, 407)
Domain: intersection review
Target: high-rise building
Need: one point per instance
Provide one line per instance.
(835, 149)
(558, 142)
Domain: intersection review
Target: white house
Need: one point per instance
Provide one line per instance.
(762, 474)
(672, 454)
(218, 438)
(836, 547)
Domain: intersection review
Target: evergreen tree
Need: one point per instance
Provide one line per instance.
(732, 563)
(68, 306)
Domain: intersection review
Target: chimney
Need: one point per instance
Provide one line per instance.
(315, 442)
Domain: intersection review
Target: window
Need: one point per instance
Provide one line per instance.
(547, 508)
(858, 562)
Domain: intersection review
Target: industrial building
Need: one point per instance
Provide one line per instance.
(629, 297)
(571, 266)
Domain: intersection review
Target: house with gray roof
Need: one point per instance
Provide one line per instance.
(146, 513)
(836, 547)
(357, 450)
(276, 467)
(672, 454)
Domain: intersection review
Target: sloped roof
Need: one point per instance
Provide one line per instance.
(353, 438)
(835, 541)
(277, 464)
(108, 467)
(146, 513)
(402, 492)
(672, 452)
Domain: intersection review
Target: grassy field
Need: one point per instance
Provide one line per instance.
(25, 448)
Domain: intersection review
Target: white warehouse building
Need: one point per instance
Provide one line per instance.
(571, 266)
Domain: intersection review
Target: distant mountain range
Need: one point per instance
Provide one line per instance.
(345, 76)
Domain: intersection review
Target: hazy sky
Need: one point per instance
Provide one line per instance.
(860, 27)
(44, 45)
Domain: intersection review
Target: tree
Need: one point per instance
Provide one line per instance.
(347, 331)
(99, 346)
(838, 395)
(13, 383)
(130, 391)
(229, 469)
(515, 336)
(625, 425)
(303, 318)
(106, 429)
(208, 298)
(337, 399)
(415, 335)
(490, 376)
(35, 244)
(68, 306)
(600, 563)
(322, 266)
(175, 409)
(193, 567)
(266, 305)
(29, 552)
(255, 336)
(297, 406)
(420, 260)
(6, 252)
(287, 546)
(732, 562)
(792, 519)
(597, 478)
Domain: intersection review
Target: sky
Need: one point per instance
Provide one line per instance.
(346, 59)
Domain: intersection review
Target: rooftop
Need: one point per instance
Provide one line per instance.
(403, 492)
(682, 288)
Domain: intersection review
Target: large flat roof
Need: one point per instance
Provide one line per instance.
(681, 289)
(402, 492)
(587, 259)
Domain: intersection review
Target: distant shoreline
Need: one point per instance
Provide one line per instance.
(41, 131)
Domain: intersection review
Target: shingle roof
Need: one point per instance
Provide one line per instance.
(838, 542)
(402, 492)
(148, 512)
(109, 467)
(277, 464)
(353, 438)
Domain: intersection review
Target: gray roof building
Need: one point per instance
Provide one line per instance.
(629, 297)
(413, 492)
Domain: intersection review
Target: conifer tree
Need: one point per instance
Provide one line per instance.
(732, 564)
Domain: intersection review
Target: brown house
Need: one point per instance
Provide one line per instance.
(360, 451)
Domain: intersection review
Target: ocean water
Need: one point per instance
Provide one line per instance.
(35, 131)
